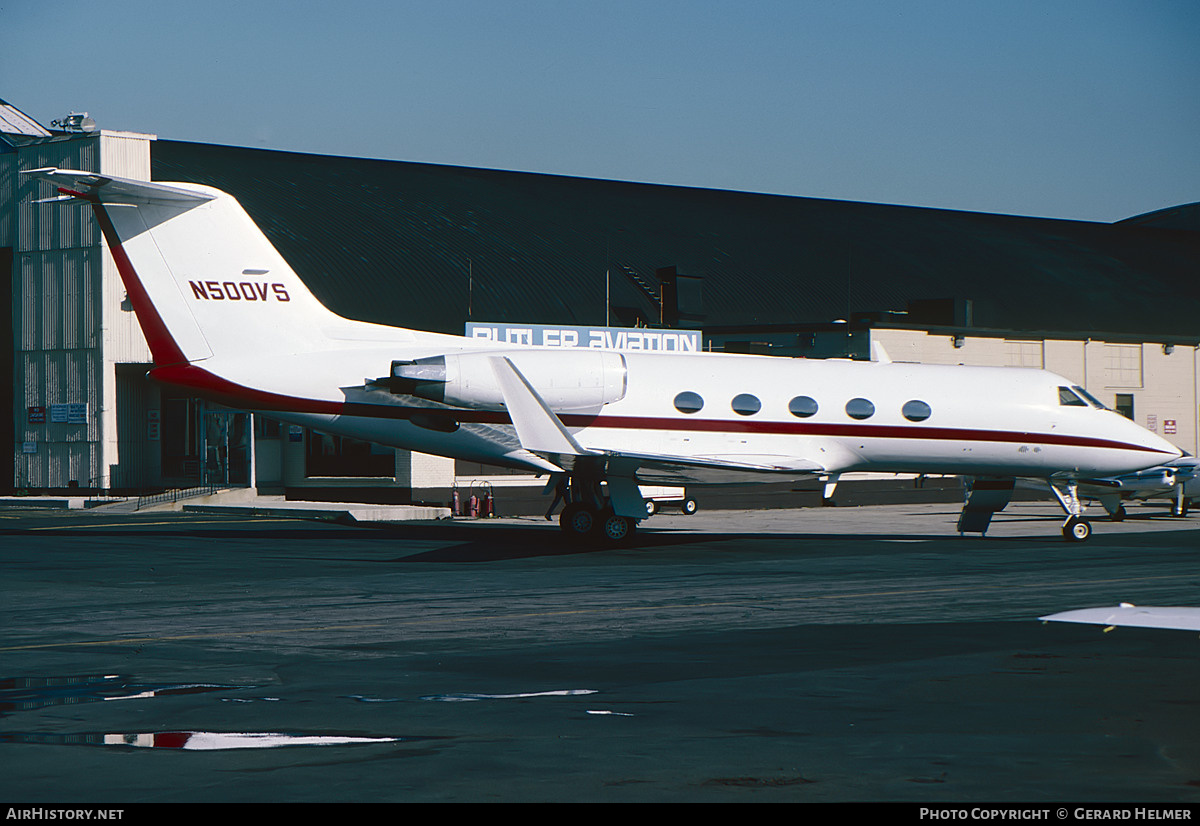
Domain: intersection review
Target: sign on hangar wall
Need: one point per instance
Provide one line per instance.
(626, 339)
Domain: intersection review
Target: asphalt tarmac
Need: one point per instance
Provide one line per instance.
(810, 655)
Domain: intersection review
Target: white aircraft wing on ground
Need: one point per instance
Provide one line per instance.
(1132, 616)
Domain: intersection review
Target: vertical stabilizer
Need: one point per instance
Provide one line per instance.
(202, 278)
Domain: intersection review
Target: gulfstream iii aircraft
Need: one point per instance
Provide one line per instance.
(227, 318)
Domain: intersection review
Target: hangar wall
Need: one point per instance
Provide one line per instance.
(69, 329)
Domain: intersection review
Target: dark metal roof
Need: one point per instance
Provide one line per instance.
(393, 242)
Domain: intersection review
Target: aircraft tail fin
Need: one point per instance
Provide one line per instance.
(201, 276)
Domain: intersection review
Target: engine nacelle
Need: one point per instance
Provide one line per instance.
(565, 379)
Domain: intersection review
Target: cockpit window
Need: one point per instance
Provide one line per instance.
(1092, 400)
(1067, 398)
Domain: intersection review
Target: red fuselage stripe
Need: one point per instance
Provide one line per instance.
(163, 348)
(237, 395)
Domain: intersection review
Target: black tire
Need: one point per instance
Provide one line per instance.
(578, 520)
(617, 529)
(688, 507)
(1077, 529)
(651, 507)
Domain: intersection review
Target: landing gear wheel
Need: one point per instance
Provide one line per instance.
(651, 507)
(1179, 509)
(688, 507)
(578, 520)
(617, 528)
(1119, 514)
(1077, 529)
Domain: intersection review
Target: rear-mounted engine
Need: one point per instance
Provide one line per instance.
(565, 379)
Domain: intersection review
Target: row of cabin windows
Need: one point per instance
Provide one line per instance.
(802, 407)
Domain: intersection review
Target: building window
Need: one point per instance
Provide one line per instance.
(1123, 365)
(746, 405)
(689, 402)
(1024, 354)
(860, 409)
(265, 428)
(1124, 405)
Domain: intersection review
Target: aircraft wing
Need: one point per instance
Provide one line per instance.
(1132, 616)
(541, 432)
(712, 470)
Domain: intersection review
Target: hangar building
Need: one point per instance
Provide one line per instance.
(1114, 307)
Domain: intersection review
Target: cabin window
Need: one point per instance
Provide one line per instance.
(1067, 398)
(803, 406)
(746, 405)
(860, 409)
(916, 411)
(689, 402)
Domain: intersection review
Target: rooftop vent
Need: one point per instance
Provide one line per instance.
(75, 122)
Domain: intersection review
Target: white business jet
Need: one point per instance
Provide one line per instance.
(228, 319)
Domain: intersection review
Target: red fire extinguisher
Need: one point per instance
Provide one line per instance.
(487, 507)
(455, 501)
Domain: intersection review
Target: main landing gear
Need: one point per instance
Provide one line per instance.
(596, 507)
(583, 520)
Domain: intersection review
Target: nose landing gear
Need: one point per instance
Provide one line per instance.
(1076, 528)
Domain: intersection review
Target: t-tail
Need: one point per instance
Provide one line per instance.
(202, 278)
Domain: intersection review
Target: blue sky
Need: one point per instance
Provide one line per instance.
(1084, 109)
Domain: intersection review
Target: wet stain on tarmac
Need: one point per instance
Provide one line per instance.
(203, 740)
(759, 782)
(28, 693)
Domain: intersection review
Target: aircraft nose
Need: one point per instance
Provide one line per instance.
(1153, 441)
(1149, 449)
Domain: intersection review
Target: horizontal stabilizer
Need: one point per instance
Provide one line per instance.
(111, 190)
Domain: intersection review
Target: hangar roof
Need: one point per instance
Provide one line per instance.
(423, 245)
(17, 127)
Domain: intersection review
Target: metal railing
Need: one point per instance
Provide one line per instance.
(175, 494)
